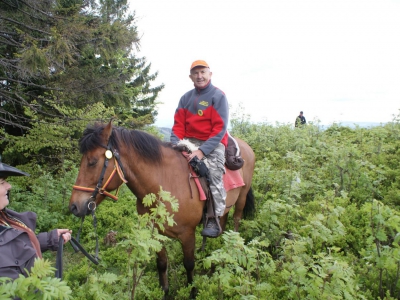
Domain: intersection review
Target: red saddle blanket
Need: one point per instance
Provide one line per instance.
(232, 179)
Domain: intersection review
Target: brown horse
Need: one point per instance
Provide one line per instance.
(145, 163)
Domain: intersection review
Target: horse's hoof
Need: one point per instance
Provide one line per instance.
(193, 293)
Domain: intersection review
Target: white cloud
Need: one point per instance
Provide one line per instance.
(336, 60)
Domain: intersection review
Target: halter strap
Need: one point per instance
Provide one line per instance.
(102, 190)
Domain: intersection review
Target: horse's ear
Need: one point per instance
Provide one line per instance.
(107, 131)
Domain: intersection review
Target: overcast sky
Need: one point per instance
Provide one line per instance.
(338, 60)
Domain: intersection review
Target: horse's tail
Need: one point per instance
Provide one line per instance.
(250, 206)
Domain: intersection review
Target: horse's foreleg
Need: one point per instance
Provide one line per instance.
(223, 220)
(162, 264)
(188, 246)
(236, 221)
(238, 214)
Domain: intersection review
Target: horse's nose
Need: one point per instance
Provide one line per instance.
(74, 209)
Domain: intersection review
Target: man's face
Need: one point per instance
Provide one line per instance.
(200, 76)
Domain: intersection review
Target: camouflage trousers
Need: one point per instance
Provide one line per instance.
(215, 162)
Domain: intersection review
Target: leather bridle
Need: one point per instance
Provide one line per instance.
(102, 189)
(99, 189)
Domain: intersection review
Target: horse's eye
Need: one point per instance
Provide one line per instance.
(93, 162)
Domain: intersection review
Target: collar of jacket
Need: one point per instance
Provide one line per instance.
(205, 89)
(2, 228)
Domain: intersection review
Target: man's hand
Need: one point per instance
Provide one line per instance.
(197, 153)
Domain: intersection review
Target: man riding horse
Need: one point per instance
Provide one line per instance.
(202, 118)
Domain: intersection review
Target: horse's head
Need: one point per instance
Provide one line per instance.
(99, 165)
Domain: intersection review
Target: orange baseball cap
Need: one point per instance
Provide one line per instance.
(199, 63)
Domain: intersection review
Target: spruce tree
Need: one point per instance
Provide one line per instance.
(59, 62)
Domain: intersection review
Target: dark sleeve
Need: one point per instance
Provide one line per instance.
(48, 240)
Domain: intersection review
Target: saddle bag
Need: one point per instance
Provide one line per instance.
(233, 160)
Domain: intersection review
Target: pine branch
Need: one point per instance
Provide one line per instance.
(8, 33)
(24, 25)
(31, 7)
(9, 41)
(30, 84)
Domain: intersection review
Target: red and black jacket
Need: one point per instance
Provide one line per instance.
(202, 114)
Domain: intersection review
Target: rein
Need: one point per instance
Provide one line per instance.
(77, 247)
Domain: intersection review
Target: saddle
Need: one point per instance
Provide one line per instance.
(199, 171)
(233, 159)
(232, 178)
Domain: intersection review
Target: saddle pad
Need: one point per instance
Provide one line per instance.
(232, 179)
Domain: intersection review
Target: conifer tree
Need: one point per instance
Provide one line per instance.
(75, 53)
(60, 59)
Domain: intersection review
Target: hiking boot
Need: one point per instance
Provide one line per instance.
(211, 229)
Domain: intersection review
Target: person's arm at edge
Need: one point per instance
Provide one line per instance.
(49, 240)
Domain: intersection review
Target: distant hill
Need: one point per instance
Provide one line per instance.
(360, 124)
(166, 133)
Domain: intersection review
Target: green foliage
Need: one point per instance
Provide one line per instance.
(240, 270)
(46, 195)
(316, 191)
(40, 284)
(320, 276)
(382, 250)
(126, 269)
(49, 145)
(327, 225)
(144, 240)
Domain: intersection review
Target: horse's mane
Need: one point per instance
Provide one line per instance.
(144, 144)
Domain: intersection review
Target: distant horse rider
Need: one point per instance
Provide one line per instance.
(202, 117)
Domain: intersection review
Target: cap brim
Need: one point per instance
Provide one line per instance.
(6, 171)
(199, 66)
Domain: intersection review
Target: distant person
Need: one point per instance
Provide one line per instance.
(300, 120)
(202, 117)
